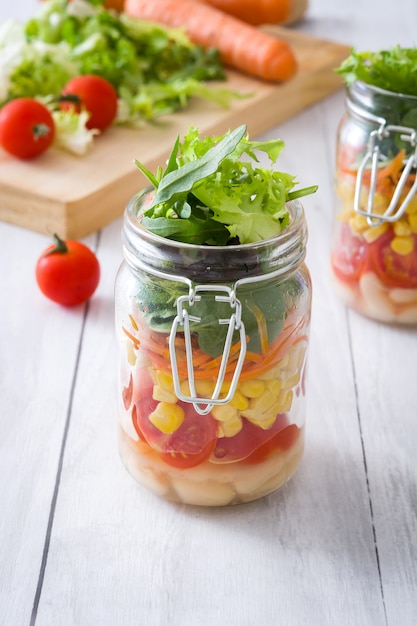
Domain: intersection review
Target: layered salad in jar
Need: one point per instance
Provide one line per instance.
(249, 440)
(374, 259)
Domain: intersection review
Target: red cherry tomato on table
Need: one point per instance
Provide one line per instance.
(96, 95)
(68, 273)
(27, 128)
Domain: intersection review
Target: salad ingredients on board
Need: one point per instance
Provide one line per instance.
(154, 69)
(241, 46)
(68, 272)
(213, 194)
(27, 128)
(94, 94)
(374, 260)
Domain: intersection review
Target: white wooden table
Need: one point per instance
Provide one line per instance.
(83, 545)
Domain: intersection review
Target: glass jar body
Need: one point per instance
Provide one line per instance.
(374, 246)
(190, 430)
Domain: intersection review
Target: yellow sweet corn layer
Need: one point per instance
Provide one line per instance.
(402, 228)
(412, 206)
(374, 232)
(252, 388)
(358, 223)
(162, 395)
(239, 401)
(412, 222)
(402, 245)
(231, 427)
(167, 417)
(224, 412)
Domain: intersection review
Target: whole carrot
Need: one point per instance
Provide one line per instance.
(240, 45)
(262, 11)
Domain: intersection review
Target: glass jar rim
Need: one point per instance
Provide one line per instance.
(144, 248)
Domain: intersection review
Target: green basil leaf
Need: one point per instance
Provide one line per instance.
(184, 178)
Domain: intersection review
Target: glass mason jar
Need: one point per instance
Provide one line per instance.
(374, 247)
(213, 345)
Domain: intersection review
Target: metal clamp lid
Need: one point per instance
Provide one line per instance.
(235, 323)
(373, 157)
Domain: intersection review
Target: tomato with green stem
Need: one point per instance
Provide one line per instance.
(27, 128)
(68, 272)
(96, 95)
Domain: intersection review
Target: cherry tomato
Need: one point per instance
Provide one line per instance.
(96, 95)
(68, 272)
(191, 444)
(27, 128)
(392, 269)
(350, 256)
(253, 444)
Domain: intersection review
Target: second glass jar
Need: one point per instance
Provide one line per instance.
(374, 248)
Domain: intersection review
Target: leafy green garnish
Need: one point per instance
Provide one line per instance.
(211, 193)
(393, 70)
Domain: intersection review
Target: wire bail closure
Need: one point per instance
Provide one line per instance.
(203, 406)
(373, 156)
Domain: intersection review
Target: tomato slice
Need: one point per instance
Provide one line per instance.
(393, 269)
(253, 444)
(191, 444)
(349, 257)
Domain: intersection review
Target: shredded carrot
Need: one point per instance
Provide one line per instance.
(133, 339)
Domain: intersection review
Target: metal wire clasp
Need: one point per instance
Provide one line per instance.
(373, 156)
(182, 320)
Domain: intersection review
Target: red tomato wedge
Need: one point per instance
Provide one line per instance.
(189, 445)
(393, 269)
(253, 444)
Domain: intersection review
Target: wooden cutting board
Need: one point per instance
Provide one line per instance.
(75, 196)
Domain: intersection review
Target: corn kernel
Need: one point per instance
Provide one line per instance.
(402, 245)
(163, 395)
(274, 386)
(252, 388)
(239, 401)
(412, 206)
(374, 232)
(224, 412)
(185, 388)
(205, 387)
(358, 223)
(231, 428)
(402, 228)
(164, 380)
(167, 417)
(412, 221)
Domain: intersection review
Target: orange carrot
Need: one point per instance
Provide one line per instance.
(255, 13)
(241, 46)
